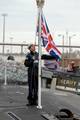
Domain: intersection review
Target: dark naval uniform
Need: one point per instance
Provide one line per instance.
(32, 61)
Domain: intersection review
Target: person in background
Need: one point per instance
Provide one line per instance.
(71, 67)
(32, 64)
(10, 57)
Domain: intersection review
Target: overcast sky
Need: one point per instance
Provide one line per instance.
(61, 15)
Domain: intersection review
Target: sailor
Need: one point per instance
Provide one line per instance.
(32, 64)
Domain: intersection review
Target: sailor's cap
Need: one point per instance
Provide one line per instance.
(30, 45)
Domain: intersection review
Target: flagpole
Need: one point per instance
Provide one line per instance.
(39, 70)
(40, 4)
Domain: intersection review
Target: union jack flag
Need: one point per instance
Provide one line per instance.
(47, 40)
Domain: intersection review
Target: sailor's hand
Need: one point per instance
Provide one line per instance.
(35, 61)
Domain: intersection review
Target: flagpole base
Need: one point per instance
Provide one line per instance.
(39, 107)
(5, 84)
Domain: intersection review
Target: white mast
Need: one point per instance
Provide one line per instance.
(40, 4)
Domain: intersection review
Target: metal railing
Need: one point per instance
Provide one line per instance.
(21, 47)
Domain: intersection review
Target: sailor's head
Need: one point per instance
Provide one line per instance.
(31, 47)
